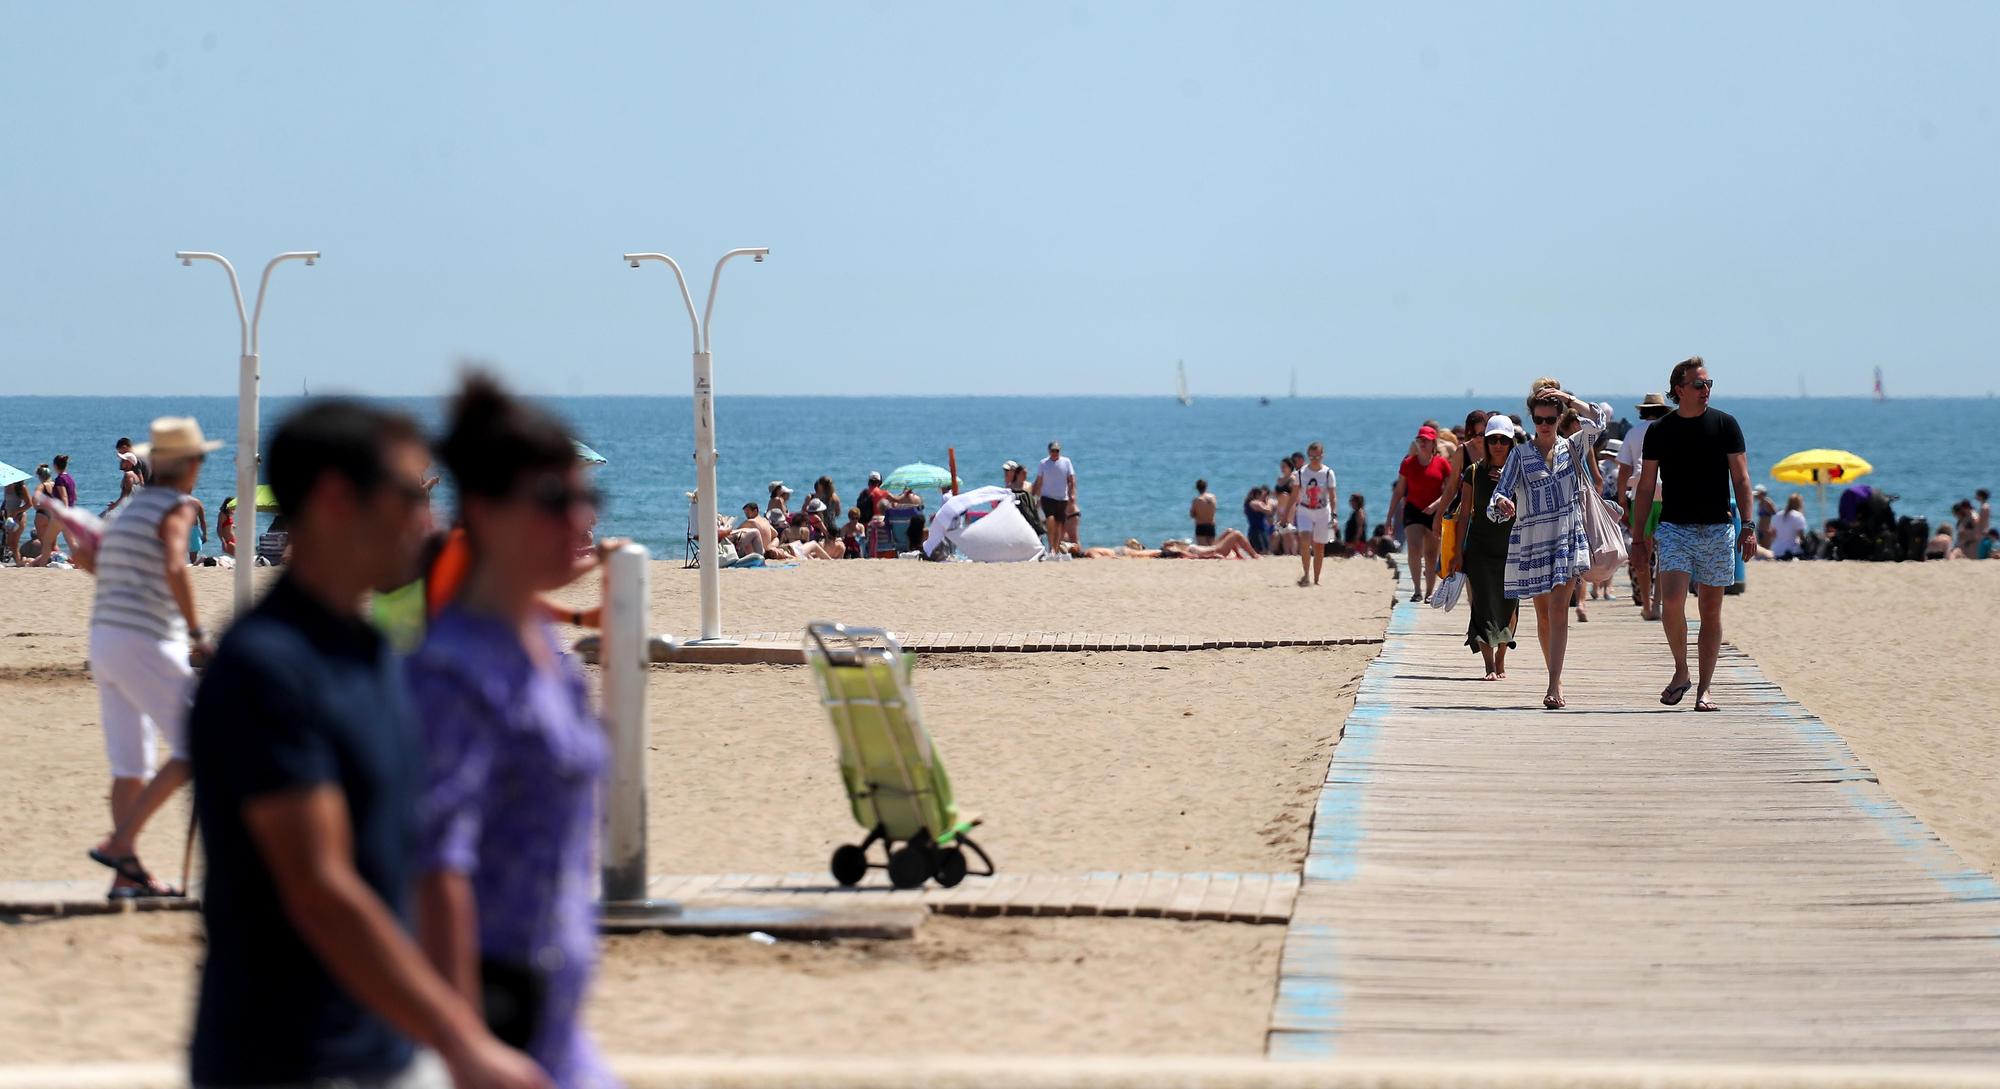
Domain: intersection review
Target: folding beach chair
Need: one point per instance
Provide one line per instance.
(896, 782)
(693, 541)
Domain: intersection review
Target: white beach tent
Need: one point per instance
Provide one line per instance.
(1000, 536)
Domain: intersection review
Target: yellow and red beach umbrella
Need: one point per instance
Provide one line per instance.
(1820, 468)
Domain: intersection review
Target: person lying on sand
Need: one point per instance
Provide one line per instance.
(1232, 545)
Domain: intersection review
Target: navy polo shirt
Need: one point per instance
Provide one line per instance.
(298, 696)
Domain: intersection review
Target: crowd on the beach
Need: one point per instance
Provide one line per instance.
(395, 764)
(42, 521)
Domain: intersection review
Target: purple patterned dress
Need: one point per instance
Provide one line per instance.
(513, 760)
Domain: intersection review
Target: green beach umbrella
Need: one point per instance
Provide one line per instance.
(267, 500)
(9, 476)
(919, 476)
(586, 455)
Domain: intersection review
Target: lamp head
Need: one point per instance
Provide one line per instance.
(187, 262)
(760, 253)
(311, 261)
(633, 261)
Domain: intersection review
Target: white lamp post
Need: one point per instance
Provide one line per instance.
(704, 437)
(246, 405)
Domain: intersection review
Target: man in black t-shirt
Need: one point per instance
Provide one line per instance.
(1697, 453)
(306, 768)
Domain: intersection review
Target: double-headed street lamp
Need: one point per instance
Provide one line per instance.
(704, 437)
(246, 405)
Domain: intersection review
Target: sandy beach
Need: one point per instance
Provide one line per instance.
(1182, 762)
(1186, 762)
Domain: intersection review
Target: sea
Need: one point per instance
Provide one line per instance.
(1136, 458)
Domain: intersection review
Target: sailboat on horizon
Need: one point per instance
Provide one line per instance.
(1180, 378)
(1879, 395)
(1294, 395)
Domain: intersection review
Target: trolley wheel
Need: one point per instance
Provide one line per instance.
(950, 867)
(850, 864)
(910, 865)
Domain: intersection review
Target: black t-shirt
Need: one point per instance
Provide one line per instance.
(1693, 452)
(296, 696)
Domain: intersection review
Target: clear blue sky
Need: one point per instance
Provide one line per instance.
(993, 198)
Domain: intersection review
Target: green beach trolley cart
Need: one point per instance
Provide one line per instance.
(896, 782)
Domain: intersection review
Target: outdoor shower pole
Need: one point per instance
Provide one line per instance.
(704, 438)
(246, 405)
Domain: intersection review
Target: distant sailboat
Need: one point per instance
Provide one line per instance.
(1879, 395)
(1180, 376)
(1295, 383)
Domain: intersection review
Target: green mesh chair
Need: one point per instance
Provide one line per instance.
(896, 782)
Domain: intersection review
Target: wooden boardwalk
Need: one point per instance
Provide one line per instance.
(1262, 898)
(1621, 880)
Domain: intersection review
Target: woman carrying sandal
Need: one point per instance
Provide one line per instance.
(1548, 551)
(1482, 552)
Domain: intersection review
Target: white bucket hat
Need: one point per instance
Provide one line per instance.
(176, 437)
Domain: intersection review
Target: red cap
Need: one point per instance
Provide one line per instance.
(1427, 432)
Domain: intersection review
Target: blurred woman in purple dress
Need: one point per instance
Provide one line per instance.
(514, 755)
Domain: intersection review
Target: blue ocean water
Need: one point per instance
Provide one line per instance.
(1136, 457)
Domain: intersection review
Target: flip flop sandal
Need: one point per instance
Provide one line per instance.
(1554, 703)
(127, 867)
(1704, 705)
(1673, 694)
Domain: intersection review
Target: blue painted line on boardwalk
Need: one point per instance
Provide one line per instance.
(1864, 792)
(1310, 1000)
(1312, 1005)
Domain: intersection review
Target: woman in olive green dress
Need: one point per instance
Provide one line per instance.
(1482, 555)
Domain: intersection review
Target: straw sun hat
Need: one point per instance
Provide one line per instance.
(176, 437)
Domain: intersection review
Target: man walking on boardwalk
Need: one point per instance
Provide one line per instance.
(1698, 452)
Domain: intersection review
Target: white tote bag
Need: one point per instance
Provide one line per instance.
(1608, 552)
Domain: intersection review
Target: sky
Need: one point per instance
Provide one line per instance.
(1006, 198)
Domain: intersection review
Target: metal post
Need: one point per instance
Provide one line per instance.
(246, 480)
(624, 658)
(247, 379)
(705, 500)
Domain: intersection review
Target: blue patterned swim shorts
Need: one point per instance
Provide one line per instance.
(1706, 553)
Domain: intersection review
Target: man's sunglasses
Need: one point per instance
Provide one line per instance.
(1702, 383)
(1548, 421)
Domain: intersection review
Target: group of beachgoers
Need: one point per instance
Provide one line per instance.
(40, 523)
(1509, 508)
(1969, 534)
(395, 765)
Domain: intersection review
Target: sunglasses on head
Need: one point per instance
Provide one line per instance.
(1702, 383)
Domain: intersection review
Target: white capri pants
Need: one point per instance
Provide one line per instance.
(144, 686)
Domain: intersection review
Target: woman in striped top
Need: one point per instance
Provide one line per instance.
(144, 639)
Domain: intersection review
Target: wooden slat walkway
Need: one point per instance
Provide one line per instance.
(933, 642)
(1220, 897)
(1621, 880)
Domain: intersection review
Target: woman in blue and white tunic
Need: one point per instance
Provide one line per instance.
(1548, 551)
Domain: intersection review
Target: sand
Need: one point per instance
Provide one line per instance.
(1096, 761)
(119, 988)
(1900, 660)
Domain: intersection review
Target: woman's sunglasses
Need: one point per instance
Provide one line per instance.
(555, 497)
(1548, 421)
